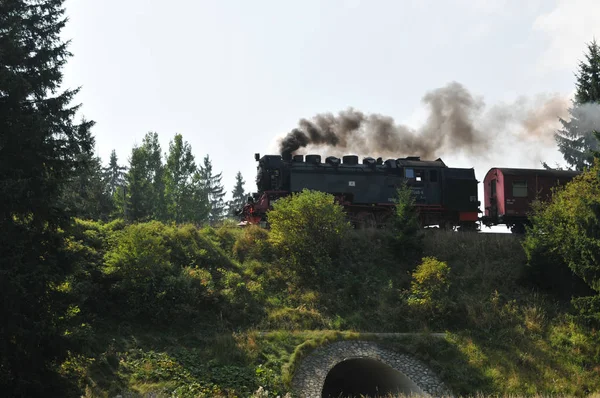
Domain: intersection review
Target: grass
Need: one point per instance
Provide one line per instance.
(503, 337)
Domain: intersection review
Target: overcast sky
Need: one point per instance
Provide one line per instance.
(232, 76)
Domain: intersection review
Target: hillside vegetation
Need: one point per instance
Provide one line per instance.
(208, 312)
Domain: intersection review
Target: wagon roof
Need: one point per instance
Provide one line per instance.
(538, 172)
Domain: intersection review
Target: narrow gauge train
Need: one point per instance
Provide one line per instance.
(444, 196)
(509, 193)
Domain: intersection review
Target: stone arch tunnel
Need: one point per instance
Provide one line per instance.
(363, 368)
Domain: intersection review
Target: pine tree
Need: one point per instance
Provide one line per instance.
(238, 199)
(40, 148)
(114, 174)
(215, 191)
(576, 140)
(138, 190)
(186, 199)
(86, 195)
(145, 182)
(156, 171)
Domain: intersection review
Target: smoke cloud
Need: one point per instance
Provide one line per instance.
(456, 122)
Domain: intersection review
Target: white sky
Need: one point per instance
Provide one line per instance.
(231, 76)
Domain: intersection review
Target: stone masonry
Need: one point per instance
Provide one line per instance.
(310, 375)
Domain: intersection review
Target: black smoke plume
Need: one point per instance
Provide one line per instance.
(456, 122)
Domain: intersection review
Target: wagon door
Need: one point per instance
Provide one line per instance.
(493, 200)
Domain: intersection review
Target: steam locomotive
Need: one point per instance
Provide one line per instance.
(444, 196)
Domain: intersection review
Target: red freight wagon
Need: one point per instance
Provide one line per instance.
(508, 193)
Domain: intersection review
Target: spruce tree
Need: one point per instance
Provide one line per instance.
(86, 195)
(186, 199)
(114, 174)
(138, 190)
(238, 199)
(40, 148)
(576, 140)
(214, 190)
(145, 182)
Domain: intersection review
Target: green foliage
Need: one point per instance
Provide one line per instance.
(145, 189)
(238, 199)
(42, 147)
(163, 273)
(214, 189)
(567, 230)
(253, 244)
(576, 140)
(187, 200)
(307, 229)
(430, 286)
(405, 224)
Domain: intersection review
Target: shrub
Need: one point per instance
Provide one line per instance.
(567, 230)
(430, 286)
(406, 226)
(306, 230)
(164, 273)
(253, 244)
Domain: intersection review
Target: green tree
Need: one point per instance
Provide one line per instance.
(86, 195)
(405, 224)
(139, 187)
(307, 229)
(115, 174)
(214, 189)
(186, 198)
(238, 199)
(40, 151)
(576, 139)
(156, 169)
(145, 182)
(567, 230)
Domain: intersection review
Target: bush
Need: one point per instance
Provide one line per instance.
(429, 288)
(163, 273)
(406, 226)
(567, 230)
(253, 244)
(306, 230)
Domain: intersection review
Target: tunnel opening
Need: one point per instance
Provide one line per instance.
(365, 377)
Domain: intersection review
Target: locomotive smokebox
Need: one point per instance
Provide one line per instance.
(350, 159)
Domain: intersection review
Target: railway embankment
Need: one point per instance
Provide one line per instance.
(219, 312)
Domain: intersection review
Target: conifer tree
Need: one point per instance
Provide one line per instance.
(238, 196)
(576, 140)
(86, 195)
(186, 199)
(40, 148)
(145, 182)
(114, 174)
(214, 190)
